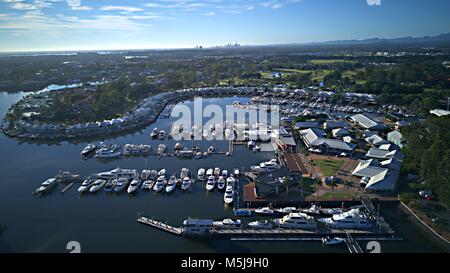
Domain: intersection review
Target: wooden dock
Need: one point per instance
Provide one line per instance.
(67, 187)
(161, 226)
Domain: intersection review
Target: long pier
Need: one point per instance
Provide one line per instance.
(353, 245)
(160, 225)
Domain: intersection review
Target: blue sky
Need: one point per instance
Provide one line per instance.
(135, 24)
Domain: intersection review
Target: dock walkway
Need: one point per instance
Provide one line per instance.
(160, 225)
(353, 245)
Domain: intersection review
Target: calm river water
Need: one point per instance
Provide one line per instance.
(107, 223)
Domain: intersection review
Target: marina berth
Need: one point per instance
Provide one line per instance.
(153, 175)
(236, 172)
(224, 173)
(296, 221)
(352, 219)
(67, 177)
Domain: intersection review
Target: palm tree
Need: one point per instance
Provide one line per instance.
(302, 185)
(318, 183)
(332, 185)
(287, 181)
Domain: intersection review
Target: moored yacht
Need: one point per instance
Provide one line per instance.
(172, 184)
(224, 173)
(201, 174)
(110, 184)
(186, 184)
(154, 133)
(153, 175)
(47, 185)
(211, 183)
(236, 172)
(184, 173)
(220, 183)
(265, 211)
(121, 184)
(148, 185)
(313, 210)
(162, 172)
(216, 171)
(159, 185)
(89, 149)
(86, 185)
(97, 185)
(134, 185)
(261, 224)
(286, 210)
(108, 152)
(161, 134)
(227, 224)
(228, 196)
(353, 218)
(145, 174)
(209, 172)
(296, 221)
(161, 149)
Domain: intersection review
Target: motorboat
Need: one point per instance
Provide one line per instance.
(172, 184)
(296, 221)
(353, 218)
(265, 211)
(216, 171)
(85, 185)
(228, 196)
(209, 172)
(211, 149)
(257, 148)
(286, 210)
(186, 184)
(148, 185)
(153, 175)
(199, 155)
(313, 210)
(145, 174)
(161, 134)
(201, 174)
(154, 133)
(224, 173)
(261, 224)
(184, 173)
(121, 184)
(242, 212)
(108, 152)
(161, 149)
(231, 181)
(134, 185)
(332, 241)
(331, 211)
(67, 177)
(110, 184)
(89, 149)
(97, 185)
(211, 183)
(162, 172)
(266, 167)
(141, 149)
(227, 224)
(159, 185)
(47, 185)
(236, 172)
(178, 147)
(221, 183)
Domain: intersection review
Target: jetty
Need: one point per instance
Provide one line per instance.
(160, 225)
(352, 244)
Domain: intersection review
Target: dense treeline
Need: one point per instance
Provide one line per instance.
(428, 155)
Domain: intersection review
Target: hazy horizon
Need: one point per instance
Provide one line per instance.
(87, 25)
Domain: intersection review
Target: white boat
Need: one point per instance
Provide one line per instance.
(353, 218)
(265, 211)
(296, 221)
(332, 241)
(148, 185)
(211, 183)
(216, 171)
(161, 134)
(228, 196)
(186, 184)
(227, 224)
(262, 224)
(159, 185)
(227, 134)
(209, 172)
(184, 173)
(134, 185)
(110, 184)
(172, 184)
(161, 149)
(210, 149)
(132, 149)
(89, 149)
(108, 152)
(331, 211)
(162, 172)
(266, 167)
(178, 147)
(145, 175)
(257, 148)
(231, 181)
(121, 184)
(286, 210)
(154, 133)
(220, 183)
(47, 185)
(236, 172)
(201, 174)
(85, 185)
(97, 185)
(313, 210)
(224, 173)
(67, 177)
(153, 175)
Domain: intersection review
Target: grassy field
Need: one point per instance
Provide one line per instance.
(329, 167)
(336, 195)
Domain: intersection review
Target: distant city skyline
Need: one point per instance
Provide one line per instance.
(52, 25)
